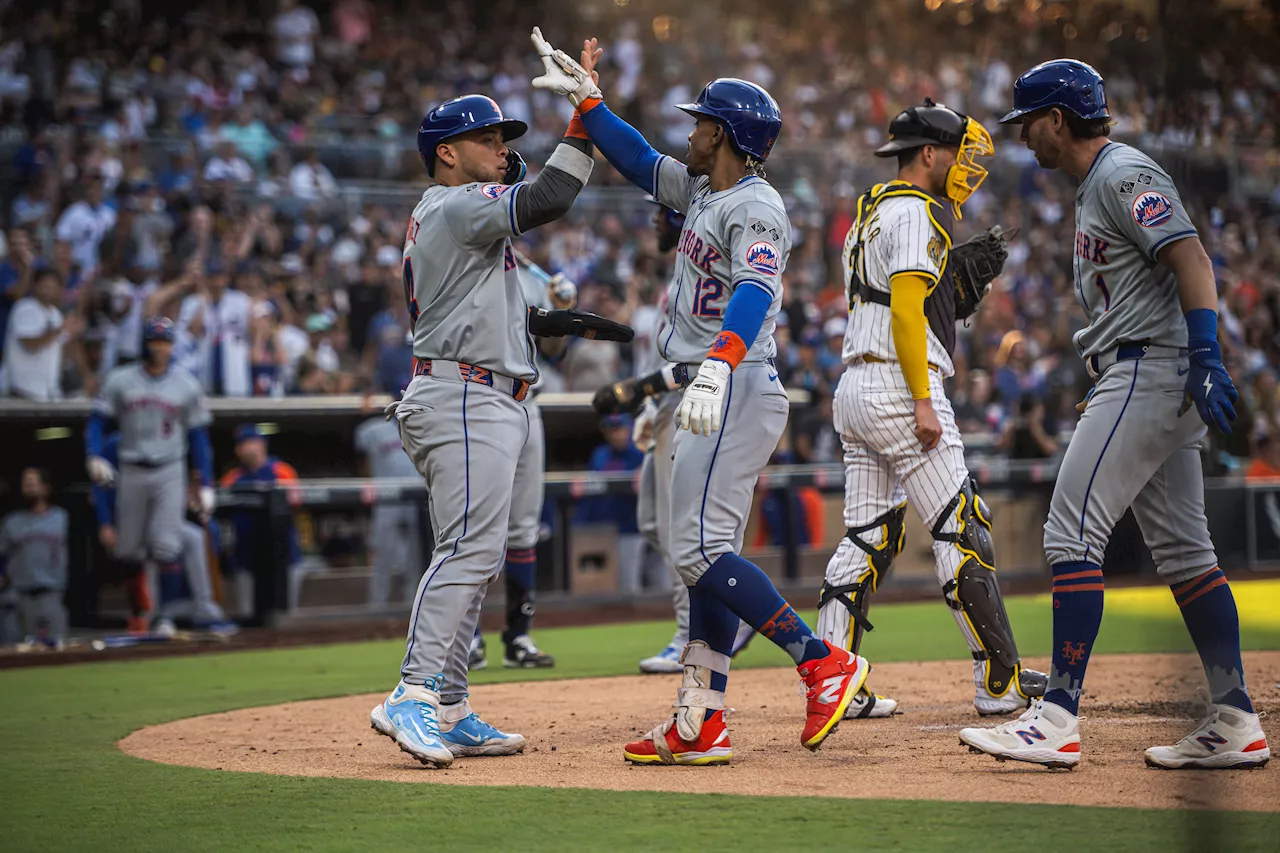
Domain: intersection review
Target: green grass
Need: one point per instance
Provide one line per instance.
(64, 785)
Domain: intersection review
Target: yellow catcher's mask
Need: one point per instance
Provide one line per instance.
(964, 178)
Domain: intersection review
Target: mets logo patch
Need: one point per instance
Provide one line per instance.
(494, 190)
(763, 258)
(1151, 209)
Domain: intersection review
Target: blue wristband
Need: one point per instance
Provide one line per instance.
(1202, 324)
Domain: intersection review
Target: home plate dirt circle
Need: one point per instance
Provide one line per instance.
(576, 729)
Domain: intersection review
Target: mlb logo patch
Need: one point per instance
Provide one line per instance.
(1151, 209)
(494, 190)
(763, 258)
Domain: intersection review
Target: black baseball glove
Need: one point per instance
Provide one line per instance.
(516, 169)
(975, 263)
(559, 323)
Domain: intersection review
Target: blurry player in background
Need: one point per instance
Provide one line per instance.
(33, 561)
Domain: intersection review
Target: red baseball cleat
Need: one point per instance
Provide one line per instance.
(665, 745)
(830, 685)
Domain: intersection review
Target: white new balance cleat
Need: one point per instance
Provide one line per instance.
(870, 706)
(1226, 738)
(410, 716)
(1046, 734)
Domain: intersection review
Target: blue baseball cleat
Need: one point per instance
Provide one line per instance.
(411, 717)
(464, 733)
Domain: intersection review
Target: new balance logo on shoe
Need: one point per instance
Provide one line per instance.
(1211, 741)
(1031, 735)
(831, 690)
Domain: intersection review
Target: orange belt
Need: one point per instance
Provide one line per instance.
(471, 373)
(872, 359)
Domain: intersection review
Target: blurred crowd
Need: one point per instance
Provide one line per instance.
(247, 170)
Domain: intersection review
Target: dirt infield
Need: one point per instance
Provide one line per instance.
(576, 730)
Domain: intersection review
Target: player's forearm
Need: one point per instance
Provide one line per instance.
(1197, 287)
(552, 193)
(201, 452)
(907, 324)
(94, 431)
(621, 144)
(102, 507)
(743, 318)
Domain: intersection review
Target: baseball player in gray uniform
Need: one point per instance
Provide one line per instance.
(1151, 345)
(394, 536)
(650, 396)
(162, 417)
(545, 292)
(33, 561)
(725, 292)
(462, 419)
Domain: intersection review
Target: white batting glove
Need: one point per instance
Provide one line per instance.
(564, 76)
(642, 430)
(100, 471)
(206, 502)
(562, 291)
(700, 410)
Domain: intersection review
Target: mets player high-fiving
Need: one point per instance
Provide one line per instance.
(462, 418)
(725, 291)
(163, 419)
(1151, 345)
(891, 411)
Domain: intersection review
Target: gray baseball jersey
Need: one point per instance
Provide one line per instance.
(464, 435)
(35, 549)
(154, 412)
(739, 236)
(466, 300)
(1131, 447)
(1127, 210)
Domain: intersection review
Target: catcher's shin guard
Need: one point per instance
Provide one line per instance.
(973, 594)
(851, 579)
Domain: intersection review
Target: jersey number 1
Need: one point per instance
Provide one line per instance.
(408, 293)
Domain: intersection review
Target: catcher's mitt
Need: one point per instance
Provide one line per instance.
(559, 323)
(974, 265)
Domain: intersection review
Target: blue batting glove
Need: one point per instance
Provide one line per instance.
(1209, 386)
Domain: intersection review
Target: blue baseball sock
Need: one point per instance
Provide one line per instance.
(520, 581)
(748, 592)
(1209, 610)
(1077, 615)
(711, 621)
(170, 583)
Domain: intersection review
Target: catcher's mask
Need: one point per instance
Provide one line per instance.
(964, 178)
(936, 124)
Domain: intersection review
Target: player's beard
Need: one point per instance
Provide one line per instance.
(478, 173)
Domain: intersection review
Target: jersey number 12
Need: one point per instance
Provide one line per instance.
(706, 292)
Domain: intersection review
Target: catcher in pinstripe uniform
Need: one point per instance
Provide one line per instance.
(907, 288)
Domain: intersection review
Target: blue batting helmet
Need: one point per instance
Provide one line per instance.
(157, 329)
(1065, 83)
(749, 114)
(470, 112)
